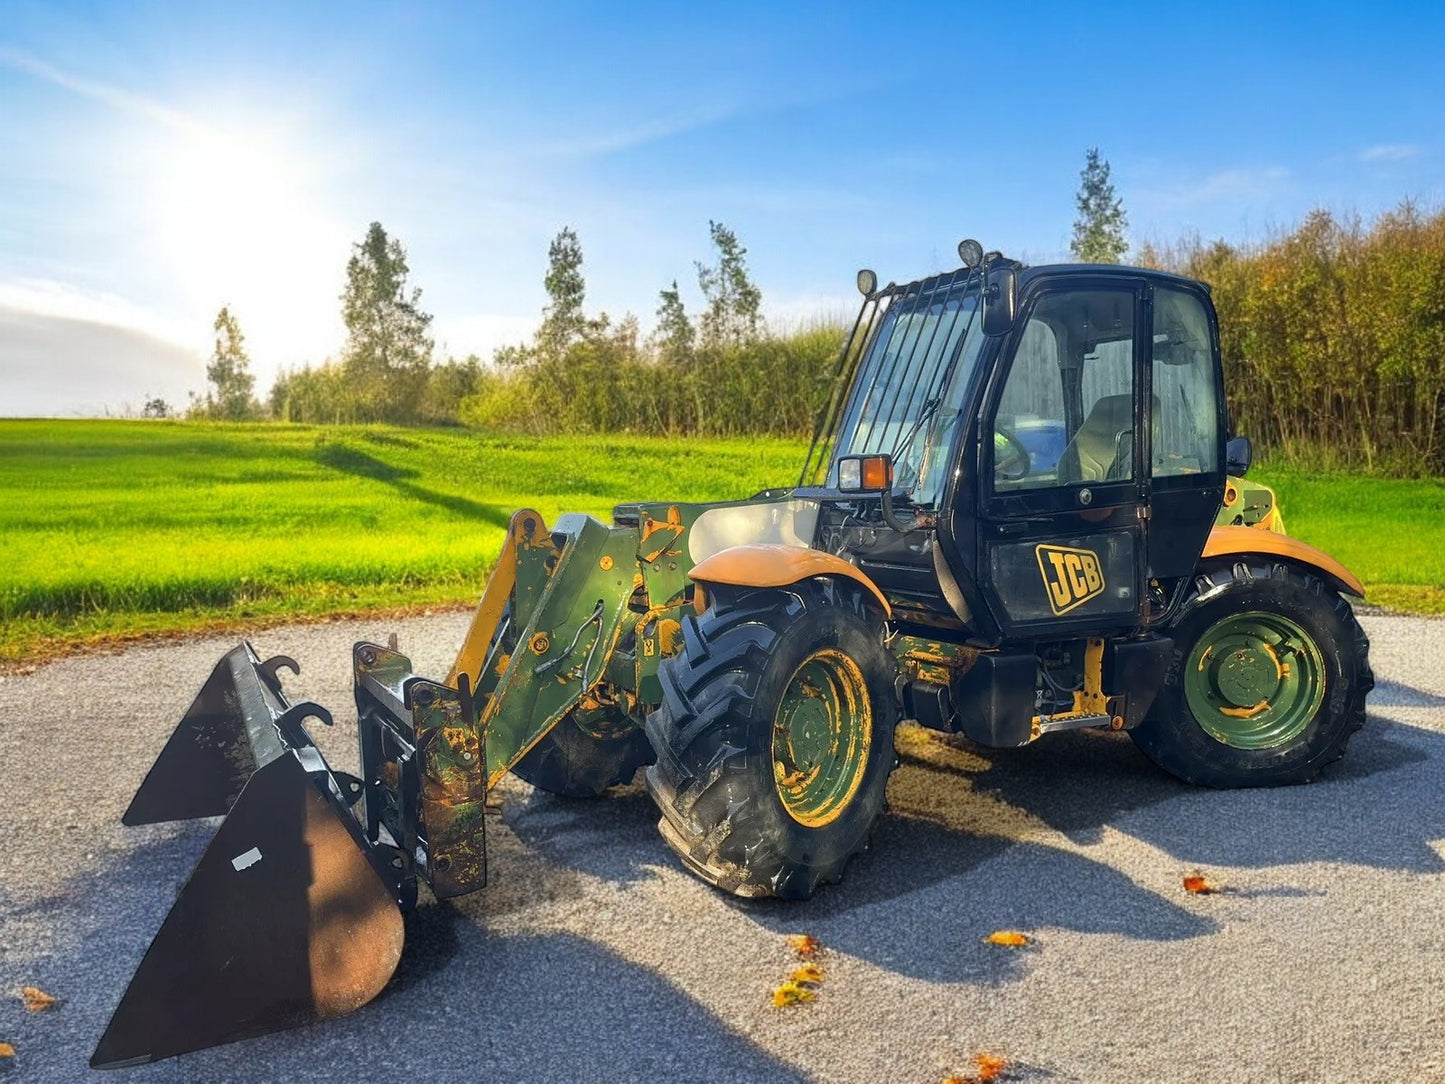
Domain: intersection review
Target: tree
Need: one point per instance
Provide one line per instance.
(387, 352)
(1099, 229)
(674, 335)
(732, 315)
(156, 407)
(563, 322)
(231, 395)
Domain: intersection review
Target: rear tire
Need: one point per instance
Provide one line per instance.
(1267, 682)
(589, 750)
(775, 737)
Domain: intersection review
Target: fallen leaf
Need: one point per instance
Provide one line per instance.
(36, 1000)
(790, 993)
(808, 974)
(1011, 938)
(990, 1067)
(1196, 884)
(6, 1050)
(804, 945)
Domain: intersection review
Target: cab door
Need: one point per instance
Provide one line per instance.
(1063, 500)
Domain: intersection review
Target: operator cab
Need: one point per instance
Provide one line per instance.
(1056, 442)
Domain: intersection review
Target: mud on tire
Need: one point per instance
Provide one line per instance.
(1199, 731)
(744, 810)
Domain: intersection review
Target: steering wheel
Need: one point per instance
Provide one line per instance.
(1010, 457)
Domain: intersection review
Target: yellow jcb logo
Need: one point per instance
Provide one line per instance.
(1071, 577)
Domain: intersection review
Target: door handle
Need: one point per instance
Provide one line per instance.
(1016, 527)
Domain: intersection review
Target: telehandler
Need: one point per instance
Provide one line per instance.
(1020, 514)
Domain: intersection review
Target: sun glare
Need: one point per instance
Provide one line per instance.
(238, 223)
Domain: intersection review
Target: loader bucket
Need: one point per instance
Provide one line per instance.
(228, 731)
(290, 916)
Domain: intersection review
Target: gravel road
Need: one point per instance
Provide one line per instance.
(592, 956)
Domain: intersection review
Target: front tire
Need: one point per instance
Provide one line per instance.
(1267, 682)
(775, 737)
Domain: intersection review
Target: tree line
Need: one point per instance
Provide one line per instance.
(1333, 338)
(723, 373)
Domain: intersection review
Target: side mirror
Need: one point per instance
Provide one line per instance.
(1000, 301)
(1238, 454)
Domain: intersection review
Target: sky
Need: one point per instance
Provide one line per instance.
(161, 160)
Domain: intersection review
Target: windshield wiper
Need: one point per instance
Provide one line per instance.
(924, 413)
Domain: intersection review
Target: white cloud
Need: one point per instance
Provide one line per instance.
(61, 301)
(1391, 152)
(123, 100)
(57, 365)
(602, 143)
(1226, 184)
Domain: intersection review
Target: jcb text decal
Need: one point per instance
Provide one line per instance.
(1071, 577)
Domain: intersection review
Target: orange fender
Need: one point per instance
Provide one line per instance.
(1228, 541)
(769, 564)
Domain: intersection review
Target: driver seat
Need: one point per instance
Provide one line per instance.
(1089, 457)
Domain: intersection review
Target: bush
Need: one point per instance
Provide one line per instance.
(606, 383)
(1333, 337)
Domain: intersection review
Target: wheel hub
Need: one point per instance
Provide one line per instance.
(1255, 680)
(1247, 674)
(822, 730)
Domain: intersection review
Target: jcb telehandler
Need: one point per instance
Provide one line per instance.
(1020, 514)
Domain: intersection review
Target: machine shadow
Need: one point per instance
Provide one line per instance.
(465, 1004)
(958, 854)
(348, 460)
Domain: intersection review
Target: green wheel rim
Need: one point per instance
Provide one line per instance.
(1255, 680)
(822, 731)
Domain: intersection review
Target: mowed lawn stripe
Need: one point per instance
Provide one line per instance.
(122, 527)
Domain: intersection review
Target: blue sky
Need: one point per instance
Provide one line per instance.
(160, 160)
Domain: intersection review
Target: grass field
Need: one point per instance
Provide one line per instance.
(113, 529)
(120, 528)
(1389, 532)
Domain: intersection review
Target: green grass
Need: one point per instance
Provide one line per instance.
(1389, 532)
(112, 529)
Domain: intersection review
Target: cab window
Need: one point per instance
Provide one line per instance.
(1186, 421)
(1066, 414)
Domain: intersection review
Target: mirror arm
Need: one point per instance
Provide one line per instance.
(920, 521)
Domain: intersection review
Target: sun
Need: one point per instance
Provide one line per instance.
(237, 220)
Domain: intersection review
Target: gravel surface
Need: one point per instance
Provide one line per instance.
(593, 956)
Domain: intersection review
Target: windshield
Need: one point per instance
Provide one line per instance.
(911, 381)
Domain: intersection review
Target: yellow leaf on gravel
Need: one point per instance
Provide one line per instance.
(990, 1067)
(1196, 884)
(804, 945)
(810, 974)
(36, 1000)
(1011, 938)
(790, 993)
(6, 1050)
(987, 1069)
